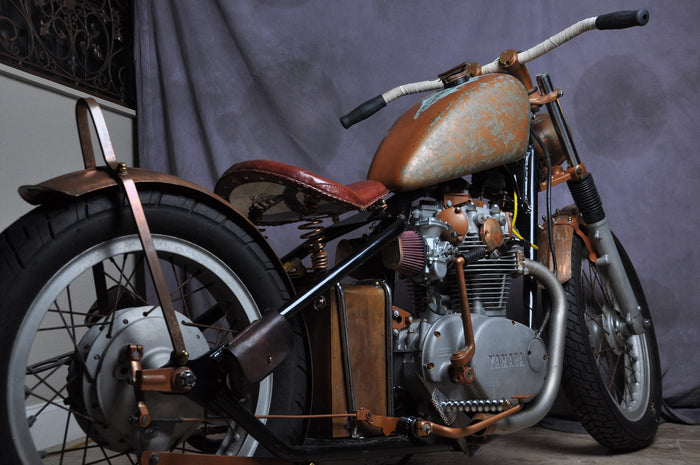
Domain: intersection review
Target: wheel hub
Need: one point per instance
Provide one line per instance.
(98, 381)
(616, 331)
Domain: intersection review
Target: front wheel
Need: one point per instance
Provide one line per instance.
(611, 380)
(75, 293)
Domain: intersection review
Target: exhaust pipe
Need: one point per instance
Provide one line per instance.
(538, 409)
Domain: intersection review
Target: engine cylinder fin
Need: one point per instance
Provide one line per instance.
(488, 280)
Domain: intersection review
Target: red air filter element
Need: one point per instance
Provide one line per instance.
(406, 254)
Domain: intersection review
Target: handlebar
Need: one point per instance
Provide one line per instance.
(622, 19)
(616, 20)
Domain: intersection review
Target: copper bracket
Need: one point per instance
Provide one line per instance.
(88, 106)
(461, 360)
(559, 175)
(174, 380)
(178, 380)
(387, 425)
(400, 318)
(426, 428)
(543, 99)
(509, 63)
(134, 353)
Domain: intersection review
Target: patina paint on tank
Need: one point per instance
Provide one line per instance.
(480, 124)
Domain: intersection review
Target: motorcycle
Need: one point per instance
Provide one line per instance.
(150, 320)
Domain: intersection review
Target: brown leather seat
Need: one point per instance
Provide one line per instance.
(271, 192)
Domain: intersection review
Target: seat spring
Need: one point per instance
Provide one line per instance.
(315, 239)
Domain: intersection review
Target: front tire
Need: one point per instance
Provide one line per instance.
(612, 381)
(73, 283)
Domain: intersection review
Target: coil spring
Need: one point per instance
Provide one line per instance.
(260, 204)
(497, 405)
(315, 242)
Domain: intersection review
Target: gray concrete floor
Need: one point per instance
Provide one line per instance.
(674, 445)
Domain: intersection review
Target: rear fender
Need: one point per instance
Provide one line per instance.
(84, 182)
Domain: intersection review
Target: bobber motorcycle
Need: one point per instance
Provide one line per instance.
(147, 320)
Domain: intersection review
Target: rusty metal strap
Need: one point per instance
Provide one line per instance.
(88, 107)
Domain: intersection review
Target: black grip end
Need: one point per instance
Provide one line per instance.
(363, 111)
(622, 19)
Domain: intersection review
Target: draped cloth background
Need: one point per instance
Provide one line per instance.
(225, 81)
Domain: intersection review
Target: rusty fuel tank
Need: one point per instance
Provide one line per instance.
(477, 125)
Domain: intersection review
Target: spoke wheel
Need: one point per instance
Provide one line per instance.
(80, 292)
(611, 377)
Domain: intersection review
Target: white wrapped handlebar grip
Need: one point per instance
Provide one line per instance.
(547, 45)
(412, 88)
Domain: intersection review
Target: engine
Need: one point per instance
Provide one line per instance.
(509, 359)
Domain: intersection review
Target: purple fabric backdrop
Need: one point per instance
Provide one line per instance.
(221, 82)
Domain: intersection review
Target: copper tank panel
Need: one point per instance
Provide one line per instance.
(480, 124)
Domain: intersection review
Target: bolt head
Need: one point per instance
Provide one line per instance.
(183, 357)
(320, 303)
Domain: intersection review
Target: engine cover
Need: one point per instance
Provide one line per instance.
(509, 358)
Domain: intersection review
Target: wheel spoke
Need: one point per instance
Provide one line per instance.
(106, 457)
(43, 382)
(180, 289)
(65, 438)
(127, 279)
(62, 407)
(602, 351)
(50, 364)
(71, 317)
(69, 329)
(612, 374)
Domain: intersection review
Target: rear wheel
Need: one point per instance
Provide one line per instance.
(612, 379)
(75, 293)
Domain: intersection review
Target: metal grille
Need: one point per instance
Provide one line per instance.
(84, 44)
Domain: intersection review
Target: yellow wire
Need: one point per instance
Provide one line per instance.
(515, 217)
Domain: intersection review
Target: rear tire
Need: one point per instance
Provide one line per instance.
(612, 382)
(219, 277)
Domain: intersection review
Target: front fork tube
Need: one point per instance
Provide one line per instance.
(585, 194)
(609, 262)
